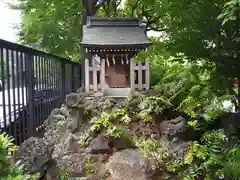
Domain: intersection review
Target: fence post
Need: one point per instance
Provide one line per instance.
(63, 79)
(80, 79)
(30, 89)
(73, 79)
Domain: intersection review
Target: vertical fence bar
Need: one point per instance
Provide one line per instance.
(40, 62)
(23, 101)
(43, 86)
(79, 75)
(19, 127)
(36, 91)
(49, 70)
(30, 89)
(3, 61)
(9, 117)
(14, 97)
(72, 78)
(63, 79)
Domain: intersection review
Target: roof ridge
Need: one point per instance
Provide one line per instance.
(113, 18)
(113, 21)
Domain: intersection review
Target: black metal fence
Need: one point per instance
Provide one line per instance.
(32, 83)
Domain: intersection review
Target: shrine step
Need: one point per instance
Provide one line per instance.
(117, 92)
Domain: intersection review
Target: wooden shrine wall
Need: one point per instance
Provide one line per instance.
(132, 75)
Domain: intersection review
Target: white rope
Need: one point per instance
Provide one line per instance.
(122, 59)
(108, 64)
(127, 60)
(113, 59)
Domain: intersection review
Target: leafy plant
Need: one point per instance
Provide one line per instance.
(8, 169)
(209, 157)
(85, 139)
(154, 149)
(154, 104)
(105, 122)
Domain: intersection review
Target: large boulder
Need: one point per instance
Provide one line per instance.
(73, 164)
(73, 99)
(174, 132)
(56, 125)
(76, 98)
(56, 116)
(129, 165)
(67, 144)
(34, 154)
(74, 119)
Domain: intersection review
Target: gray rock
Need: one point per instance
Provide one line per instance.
(74, 119)
(55, 116)
(67, 144)
(72, 99)
(34, 154)
(173, 128)
(174, 132)
(128, 165)
(73, 164)
(52, 170)
(99, 145)
(230, 123)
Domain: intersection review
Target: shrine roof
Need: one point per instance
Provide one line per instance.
(114, 32)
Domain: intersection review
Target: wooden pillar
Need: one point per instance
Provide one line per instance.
(132, 79)
(86, 75)
(140, 85)
(102, 75)
(147, 75)
(95, 86)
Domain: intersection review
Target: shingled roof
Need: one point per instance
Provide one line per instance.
(114, 32)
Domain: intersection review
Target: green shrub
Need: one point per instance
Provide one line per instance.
(211, 157)
(8, 169)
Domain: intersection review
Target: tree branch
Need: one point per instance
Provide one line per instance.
(134, 7)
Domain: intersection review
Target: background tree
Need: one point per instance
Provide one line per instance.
(190, 29)
(55, 26)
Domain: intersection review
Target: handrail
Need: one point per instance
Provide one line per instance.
(19, 47)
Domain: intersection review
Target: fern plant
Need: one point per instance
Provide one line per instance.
(8, 169)
(105, 121)
(210, 157)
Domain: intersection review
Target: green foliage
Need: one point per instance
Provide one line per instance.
(154, 149)
(85, 139)
(230, 11)
(8, 169)
(122, 115)
(88, 168)
(154, 104)
(64, 174)
(53, 25)
(209, 157)
(85, 108)
(6, 148)
(4, 67)
(105, 121)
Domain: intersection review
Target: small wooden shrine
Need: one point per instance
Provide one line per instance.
(110, 45)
